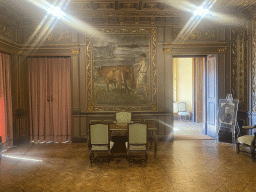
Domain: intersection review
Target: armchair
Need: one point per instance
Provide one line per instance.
(99, 141)
(182, 111)
(247, 140)
(137, 141)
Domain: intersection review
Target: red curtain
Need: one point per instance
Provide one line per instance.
(50, 99)
(6, 121)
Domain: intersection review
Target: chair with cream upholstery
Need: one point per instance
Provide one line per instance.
(99, 142)
(137, 142)
(182, 111)
(247, 140)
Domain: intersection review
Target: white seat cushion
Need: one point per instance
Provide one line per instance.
(246, 139)
(138, 148)
(111, 144)
(183, 113)
(99, 148)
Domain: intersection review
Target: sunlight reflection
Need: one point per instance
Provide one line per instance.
(53, 15)
(21, 158)
(197, 17)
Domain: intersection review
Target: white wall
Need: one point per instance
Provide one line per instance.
(183, 82)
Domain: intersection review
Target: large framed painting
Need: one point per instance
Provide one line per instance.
(121, 70)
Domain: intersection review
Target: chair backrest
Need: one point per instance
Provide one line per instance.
(182, 107)
(138, 133)
(123, 117)
(99, 134)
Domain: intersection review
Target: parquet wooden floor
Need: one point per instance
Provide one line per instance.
(181, 165)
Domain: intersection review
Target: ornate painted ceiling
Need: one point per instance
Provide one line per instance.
(122, 12)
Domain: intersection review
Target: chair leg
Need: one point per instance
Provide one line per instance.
(253, 152)
(237, 147)
(91, 158)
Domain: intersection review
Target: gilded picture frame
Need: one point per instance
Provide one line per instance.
(121, 70)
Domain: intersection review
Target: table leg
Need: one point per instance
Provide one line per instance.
(155, 138)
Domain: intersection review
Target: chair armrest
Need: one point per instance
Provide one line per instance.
(248, 127)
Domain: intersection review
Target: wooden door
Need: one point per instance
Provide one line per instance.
(211, 96)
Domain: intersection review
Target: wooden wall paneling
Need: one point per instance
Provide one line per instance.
(14, 69)
(160, 35)
(76, 125)
(83, 129)
(221, 33)
(169, 131)
(168, 35)
(168, 84)
(75, 36)
(82, 74)
(160, 77)
(75, 69)
(221, 76)
(161, 125)
(23, 83)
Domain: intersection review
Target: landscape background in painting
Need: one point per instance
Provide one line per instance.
(111, 55)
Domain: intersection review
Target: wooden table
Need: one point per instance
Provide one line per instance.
(121, 129)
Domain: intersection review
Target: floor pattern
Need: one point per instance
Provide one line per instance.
(181, 165)
(187, 128)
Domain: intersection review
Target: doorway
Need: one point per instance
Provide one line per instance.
(189, 77)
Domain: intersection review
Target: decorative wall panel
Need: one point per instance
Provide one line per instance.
(195, 35)
(6, 30)
(55, 36)
(254, 68)
(239, 77)
(115, 65)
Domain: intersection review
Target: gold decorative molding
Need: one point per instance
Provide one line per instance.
(222, 50)
(196, 35)
(167, 50)
(58, 36)
(254, 68)
(152, 105)
(75, 51)
(239, 80)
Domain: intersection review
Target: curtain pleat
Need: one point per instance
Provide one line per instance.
(6, 100)
(50, 99)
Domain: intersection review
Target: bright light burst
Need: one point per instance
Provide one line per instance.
(54, 13)
(199, 13)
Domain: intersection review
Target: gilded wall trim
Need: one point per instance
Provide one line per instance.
(167, 50)
(239, 77)
(152, 106)
(56, 36)
(254, 67)
(75, 51)
(195, 35)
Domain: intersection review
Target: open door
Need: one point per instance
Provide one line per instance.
(212, 95)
